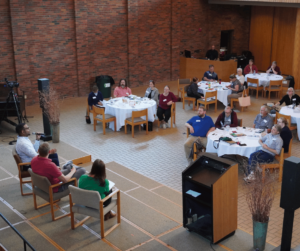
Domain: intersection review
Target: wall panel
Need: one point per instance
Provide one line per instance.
(261, 35)
(283, 38)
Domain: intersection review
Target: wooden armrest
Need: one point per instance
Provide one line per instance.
(109, 196)
(24, 164)
(61, 183)
(82, 160)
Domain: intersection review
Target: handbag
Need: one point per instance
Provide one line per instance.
(87, 117)
(244, 100)
(150, 126)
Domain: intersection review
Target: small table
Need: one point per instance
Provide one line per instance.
(295, 117)
(251, 139)
(263, 78)
(122, 111)
(223, 92)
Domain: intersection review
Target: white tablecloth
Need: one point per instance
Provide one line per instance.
(123, 111)
(264, 78)
(295, 117)
(222, 94)
(225, 148)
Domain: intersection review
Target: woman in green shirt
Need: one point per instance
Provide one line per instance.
(96, 181)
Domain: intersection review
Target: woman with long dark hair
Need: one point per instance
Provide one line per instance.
(96, 181)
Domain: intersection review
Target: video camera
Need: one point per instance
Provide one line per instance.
(11, 84)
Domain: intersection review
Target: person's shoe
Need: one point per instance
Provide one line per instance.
(164, 126)
(161, 125)
(167, 125)
(109, 215)
(68, 165)
(250, 178)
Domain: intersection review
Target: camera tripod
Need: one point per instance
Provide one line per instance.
(12, 96)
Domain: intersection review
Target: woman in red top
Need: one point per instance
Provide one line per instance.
(166, 99)
(250, 68)
(274, 69)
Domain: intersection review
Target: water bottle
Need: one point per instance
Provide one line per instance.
(222, 124)
(111, 101)
(254, 72)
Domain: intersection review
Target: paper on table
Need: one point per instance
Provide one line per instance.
(111, 184)
(193, 193)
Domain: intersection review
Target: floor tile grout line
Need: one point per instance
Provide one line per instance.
(32, 225)
(14, 224)
(156, 187)
(6, 178)
(145, 188)
(132, 189)
(140, 244)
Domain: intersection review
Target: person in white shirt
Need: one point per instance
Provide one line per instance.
(240, 77)
(26, 150)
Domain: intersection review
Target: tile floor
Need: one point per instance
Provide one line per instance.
(158, 155)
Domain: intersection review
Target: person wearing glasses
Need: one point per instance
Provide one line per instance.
(152, 92)
(26, 150)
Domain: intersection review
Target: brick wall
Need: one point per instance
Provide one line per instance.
(72, 41)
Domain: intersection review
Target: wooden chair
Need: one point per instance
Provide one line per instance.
(194, 145)
(99, 115)
(274, 86)
(137, 120)
(42, 187)
(257, 87)
(22, 174)
(240, 122)
(173, 115)
(181, 84)
(89, 203)
(237, 100)
(186, 98)
(204, 101)
(288, 118)
(277, 163)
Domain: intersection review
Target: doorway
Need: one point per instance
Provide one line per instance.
(226, 41)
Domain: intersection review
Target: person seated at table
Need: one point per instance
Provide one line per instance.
(285, 133)
(200, 126)
(96, 181)
(95, 97)
(43, 166)
(122, 90)
(274, 69)
(264, 120)
(271, 145)
(227, 118)
(236, 88)
(210, 75)
(166, 99)
(26, 150)
(290, 98)
(192, 90)
(152, 92)
(240, 77)
(250, 68)
(212, 54)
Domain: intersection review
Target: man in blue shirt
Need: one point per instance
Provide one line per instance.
(210, 75)
(95, 97)
(200, 126)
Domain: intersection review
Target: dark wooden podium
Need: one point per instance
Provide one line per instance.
(213, 213)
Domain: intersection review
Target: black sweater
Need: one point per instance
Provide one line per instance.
(286, 136)
(286, 99)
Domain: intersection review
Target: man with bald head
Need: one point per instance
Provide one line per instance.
(212, 54)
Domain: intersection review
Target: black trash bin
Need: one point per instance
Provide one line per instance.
(104, 84)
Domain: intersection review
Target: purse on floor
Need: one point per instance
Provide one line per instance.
(244, 100)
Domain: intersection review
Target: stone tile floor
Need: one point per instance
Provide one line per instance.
(158, 155)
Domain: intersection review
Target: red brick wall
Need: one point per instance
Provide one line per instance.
(72, 41)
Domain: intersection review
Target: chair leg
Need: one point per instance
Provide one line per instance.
(256, 93)
(125, 128)
(115, 124)
(95, 123)
(132, 129)
(103, 125)
(21, 186)
(183, 106)
(216, 107)
(139, 127)
(102, 222)
(269, 94)
(146, 128)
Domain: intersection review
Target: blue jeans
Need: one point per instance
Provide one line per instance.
(259, 157)
(54, 158)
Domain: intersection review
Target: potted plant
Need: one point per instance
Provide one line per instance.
(50, 104)
(260, 194)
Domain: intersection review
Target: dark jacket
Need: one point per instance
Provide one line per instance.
(192, 90)
(93, 99)
(234, 120)
(286, 136)
(286, 99)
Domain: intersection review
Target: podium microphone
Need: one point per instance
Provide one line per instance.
(38, 133)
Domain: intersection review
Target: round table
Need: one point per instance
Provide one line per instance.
(122, 111)
(222, 94)
(263, 78)
(295, 117)
(251, 139)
